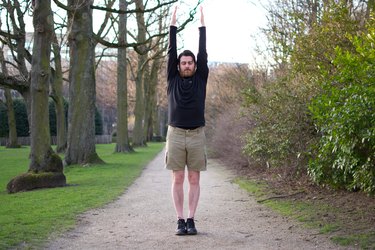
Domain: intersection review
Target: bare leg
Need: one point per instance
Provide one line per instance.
(194, 192)
(178, 192)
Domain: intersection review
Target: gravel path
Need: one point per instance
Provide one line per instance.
(227, 218)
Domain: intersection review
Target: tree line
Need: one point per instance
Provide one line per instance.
(22, 124)
(38, 74)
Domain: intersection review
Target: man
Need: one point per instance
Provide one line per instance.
(187, 80)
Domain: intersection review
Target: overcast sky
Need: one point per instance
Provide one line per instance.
(230, 26)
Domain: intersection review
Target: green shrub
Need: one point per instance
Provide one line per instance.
(344, 116)
(52, 116)
(3, 120)
(22, 123)
(282, 128)
(98, 122)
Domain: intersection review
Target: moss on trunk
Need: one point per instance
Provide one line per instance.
(29, 181)
(46, 169)
(81, 127)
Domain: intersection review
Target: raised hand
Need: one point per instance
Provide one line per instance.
(202, 16)
(174, 18)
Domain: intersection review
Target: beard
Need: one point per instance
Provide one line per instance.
(187, 73)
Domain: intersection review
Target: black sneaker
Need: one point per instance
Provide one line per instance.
(190, 227)
(181, 227)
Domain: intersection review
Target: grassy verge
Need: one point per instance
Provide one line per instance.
(28, 218)
(315, 214)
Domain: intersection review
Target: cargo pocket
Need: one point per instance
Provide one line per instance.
(166, 159)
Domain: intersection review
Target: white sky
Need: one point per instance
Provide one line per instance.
(230, 26)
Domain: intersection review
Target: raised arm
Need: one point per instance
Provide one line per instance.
(172, 47)
(202, 67)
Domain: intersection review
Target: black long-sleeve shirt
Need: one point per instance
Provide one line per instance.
(186, 96)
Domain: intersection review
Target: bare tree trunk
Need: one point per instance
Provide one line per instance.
(81, 117)
(57, 96)
(12, 142)
(45, 169)
(122, 137)
(20, 33)
(150, 99)
(138, 138)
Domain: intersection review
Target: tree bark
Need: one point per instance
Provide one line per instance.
(45, 169)
(139, 112)
(57, 96)
(12, 141)
(122, 136)
(81, 114)
(150, 99)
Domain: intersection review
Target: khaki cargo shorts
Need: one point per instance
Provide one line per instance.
(186, 147)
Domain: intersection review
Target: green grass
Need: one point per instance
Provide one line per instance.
(308, 213)
(256, 188)
(364, 241)
(28, 218)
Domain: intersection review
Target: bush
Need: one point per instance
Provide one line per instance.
(282, 127)
(344, 116)
(226, 142)
(22, 123)
(3, 120)
(98, 122)
(52, 116)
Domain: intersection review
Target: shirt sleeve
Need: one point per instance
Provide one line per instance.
(202, 57)
(172, 53)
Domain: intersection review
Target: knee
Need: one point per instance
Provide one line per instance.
(194, 178)
(178, 178)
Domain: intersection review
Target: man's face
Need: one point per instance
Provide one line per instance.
(187, 66)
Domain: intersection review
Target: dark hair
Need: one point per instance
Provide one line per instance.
(186, 53)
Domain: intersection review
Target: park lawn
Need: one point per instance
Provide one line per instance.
(27, 219)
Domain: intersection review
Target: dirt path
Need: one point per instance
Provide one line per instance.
(227, 218)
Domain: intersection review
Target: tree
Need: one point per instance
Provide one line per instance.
(12, 142)
(150, 98)
(122, 138)
(57, 96)
(81, 114)
(45, 169)
(139, 112)
(15, 38)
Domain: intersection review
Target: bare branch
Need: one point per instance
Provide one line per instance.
(13, 82)
(159, 5)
